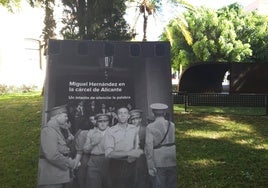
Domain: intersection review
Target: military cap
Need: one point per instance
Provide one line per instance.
(159, 107)
(56, 110)
(135, 113)
(99, 117)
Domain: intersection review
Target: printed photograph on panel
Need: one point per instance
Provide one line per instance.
(107, 116)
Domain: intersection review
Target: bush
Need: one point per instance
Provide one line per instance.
(27, 89)
(175, 88)
(5, 89)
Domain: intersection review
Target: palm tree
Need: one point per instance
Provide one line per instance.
(145, 8)
(151, 7)
(181, 23)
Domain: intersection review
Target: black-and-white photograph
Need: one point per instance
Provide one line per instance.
(107, 116)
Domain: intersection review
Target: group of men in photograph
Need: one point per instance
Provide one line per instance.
(127, 154)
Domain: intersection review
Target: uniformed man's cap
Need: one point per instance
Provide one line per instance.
(135, 113)
(56, 110)
(159, 107)
(102, 117)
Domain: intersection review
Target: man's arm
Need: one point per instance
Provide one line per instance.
(149, 152)
(49, 146)
(117, 154)
(110, 151)
(88, 146)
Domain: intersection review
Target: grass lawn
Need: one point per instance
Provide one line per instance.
(20, 119)
(213, 149)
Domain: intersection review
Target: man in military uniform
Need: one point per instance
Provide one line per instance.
(55, 164)
(97, 171)
(142, 179)
(160, 149)
(122, 148)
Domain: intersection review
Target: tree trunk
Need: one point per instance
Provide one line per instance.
(81, 7)
(145, 20)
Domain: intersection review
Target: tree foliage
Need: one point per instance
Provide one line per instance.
(96, 19)
(10, 4)
(146, 8)
(225, 35)
(49, 22)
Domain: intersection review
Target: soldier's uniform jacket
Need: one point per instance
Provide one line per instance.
(165, 155)
(54, 163)
(142, 131)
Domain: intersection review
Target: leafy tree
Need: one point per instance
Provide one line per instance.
(10, 4)
(226, 35)
(250, 28)
(50, 24)
(96, 19)
(258, 37)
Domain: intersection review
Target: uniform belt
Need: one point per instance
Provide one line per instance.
(164, 145)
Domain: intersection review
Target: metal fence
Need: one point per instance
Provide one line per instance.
(221, 99)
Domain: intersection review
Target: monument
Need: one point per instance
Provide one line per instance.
(88, 78)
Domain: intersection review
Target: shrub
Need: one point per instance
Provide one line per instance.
(5, 89)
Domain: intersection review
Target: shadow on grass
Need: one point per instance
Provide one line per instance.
(220, 163)
(249, 111)
(212, 153)
(259, 123)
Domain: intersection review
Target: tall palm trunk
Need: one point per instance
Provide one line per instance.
(145, 22)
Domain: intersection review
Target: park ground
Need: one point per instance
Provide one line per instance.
(215, 148)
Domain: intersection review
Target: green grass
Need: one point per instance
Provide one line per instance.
(220, 150)
(223, 110)
(20, 119)
(214, 148)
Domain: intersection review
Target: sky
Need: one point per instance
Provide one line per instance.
(218, 3)
(30, 21)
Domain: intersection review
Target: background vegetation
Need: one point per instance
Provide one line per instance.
(213, 149)
(9, 89)
(228, 34)
(197, 34)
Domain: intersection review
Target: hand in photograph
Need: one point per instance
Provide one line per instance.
(96, 140)
(77, 165)
(70, 137)
(152, 172)
(131, 159)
